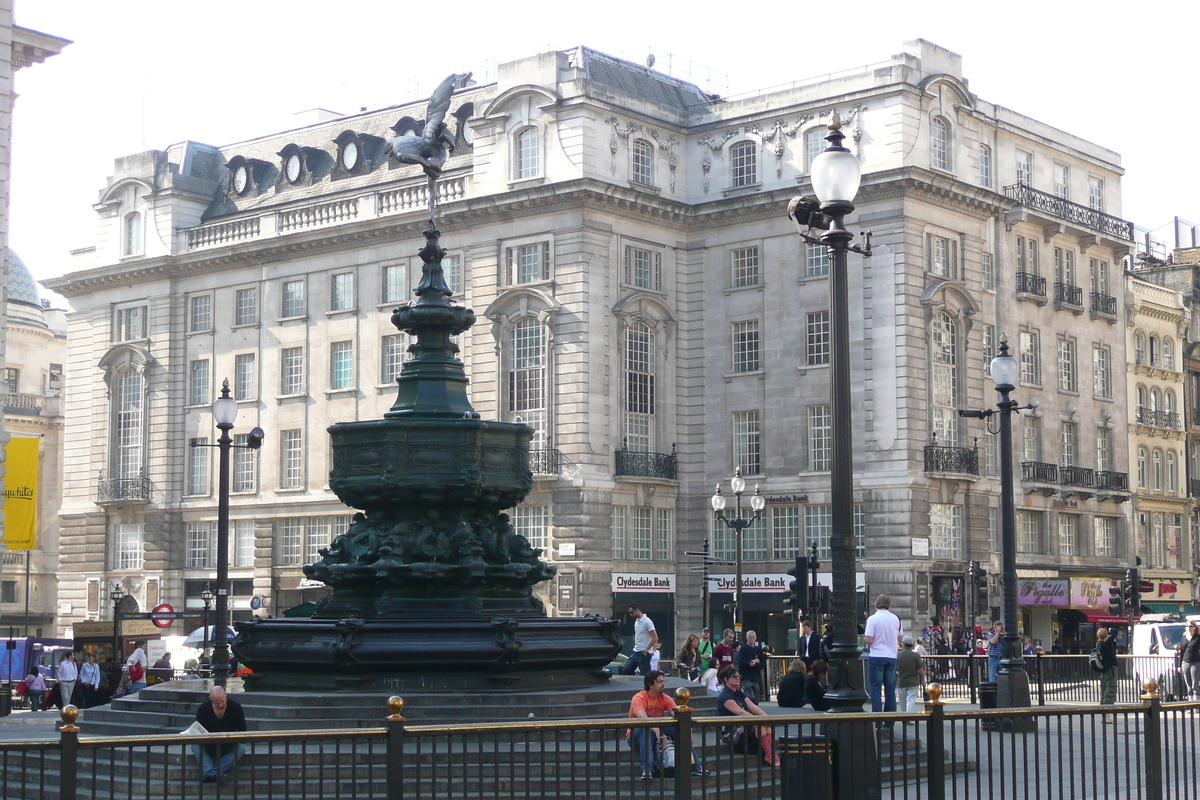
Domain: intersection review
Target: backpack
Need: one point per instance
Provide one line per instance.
(1096, 660)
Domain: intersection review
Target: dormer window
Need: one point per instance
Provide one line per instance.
(131, 241)
(356, 153)
(246, 176)
(302, 165)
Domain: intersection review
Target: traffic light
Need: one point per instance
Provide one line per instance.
(978, 582)
(1133, 596)
(1116, 598)
(797, 593)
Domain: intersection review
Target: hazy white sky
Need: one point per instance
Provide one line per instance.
(143, 74)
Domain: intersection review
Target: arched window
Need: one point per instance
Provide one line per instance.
(128, 424)
(743, 163)
(944, 390)
(639, 388)
(985, 166)
(1169, 401)
(1153, 350)
(1168, 354)
(1141, 398)
(131, 240)
(527, 378)
(1172, 473)
(643, 163)
(527, 154)
(940, 144)
(1139, 348)
(814, 143)
(1155, 400)
(1141, 468)
(1156, 476)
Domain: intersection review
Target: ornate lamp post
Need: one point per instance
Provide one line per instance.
(835, 177)
(1012, 685)
(207, 597)
(738, 523)
(116, 595)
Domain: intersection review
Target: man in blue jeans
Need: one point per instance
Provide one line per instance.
(645, 642)
(995, 651)
(219, 715)
(882, 637)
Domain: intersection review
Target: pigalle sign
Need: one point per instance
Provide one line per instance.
(1042, 593)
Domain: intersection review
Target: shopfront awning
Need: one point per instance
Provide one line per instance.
(1170, 608)
(1104, 618)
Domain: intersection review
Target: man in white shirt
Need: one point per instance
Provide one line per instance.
(67, 674)
(882, 636)
(138, 658)
(89, 678)
(645, 642)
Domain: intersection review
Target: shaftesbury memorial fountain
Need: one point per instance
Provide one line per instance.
(432, 589)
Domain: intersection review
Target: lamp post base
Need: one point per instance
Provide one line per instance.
(847, 683)
(1012, 691)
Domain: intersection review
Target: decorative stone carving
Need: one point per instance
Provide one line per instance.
(706, 165)
(717, 142)
(776, 135)
(667, 144)
(623, 131)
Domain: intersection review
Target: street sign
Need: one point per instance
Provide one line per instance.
(163, 616)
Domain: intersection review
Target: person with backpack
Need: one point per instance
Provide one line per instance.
(1106, 648)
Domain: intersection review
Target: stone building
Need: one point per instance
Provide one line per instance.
(36, 352)
(645, 304)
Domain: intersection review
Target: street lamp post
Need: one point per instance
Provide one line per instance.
(207, 597)
(738, 523)
(835, 178)
(1012, 684)
(225, 411)
(116, 595)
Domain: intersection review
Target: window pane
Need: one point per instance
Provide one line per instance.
(130, 388)
(198, 459)
(533, 522)
(527, 377)
(393, 357)
(639, 533)
(341, 365)
(243, 464)
(528, 154)
(197, 545)
(452, 269)
(394, 289)
(199, 394)
(245, 378)
(293, 298)
(243, 543)
(343, 292)
(745, 346)
(291, 467)
(643, 163)
(746, 446)
(786, 532)
(202, 313)
(816, 260)
(945, 530)
(745, 266)
(820, 439)
(291, 370)
(639, 387)
(247, 306)
(664, 534)
(743, 158)
(817, 331)
(618, 532)
(318, 537)
(291, 534)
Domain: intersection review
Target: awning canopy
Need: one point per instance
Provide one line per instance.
(1104, 618)
(1171, 608)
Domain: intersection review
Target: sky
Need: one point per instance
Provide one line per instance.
(144, 74)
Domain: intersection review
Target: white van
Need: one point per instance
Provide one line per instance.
(1155, 638)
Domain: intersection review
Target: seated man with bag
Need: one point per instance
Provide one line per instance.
(219, 715)
(651, 743)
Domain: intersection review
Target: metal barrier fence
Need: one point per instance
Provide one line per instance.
(1052, 678)
(1147, 751)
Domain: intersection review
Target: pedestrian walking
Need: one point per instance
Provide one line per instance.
(910, 678)
(1190, 661)
(645, 642)
(67, 674)
(882, 635)
(687, 662)
(751, 662)
(1108, 672)
(706, 650)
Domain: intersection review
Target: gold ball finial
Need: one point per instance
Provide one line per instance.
(395, 706)
(1004, 338)
(935, 693)
(683, 696)
(69, 714)
(1151, 687)
(835, 122)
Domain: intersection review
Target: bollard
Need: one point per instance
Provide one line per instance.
(1153, 744)
(935, 743)
(68, 746)
(683, 745)
(395, 748)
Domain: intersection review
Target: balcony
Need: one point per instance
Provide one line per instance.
(1031, 287)
(1068, 297)
(1041, 476)
(549, 462)
(1104, 305)
(1076, 481)
(634, 464)
(957, 460)
(1074, 213)
(123, 491)
(29, 405)
(1168, 420)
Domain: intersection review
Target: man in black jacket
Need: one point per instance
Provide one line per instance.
(219, 715)
(810, 645)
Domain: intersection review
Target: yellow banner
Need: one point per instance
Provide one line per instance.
(20, 494)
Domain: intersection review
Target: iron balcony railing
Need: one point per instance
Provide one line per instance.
(1104, 304)
(1071, 212)
(1028, 283)
(123, 490)
(1067, 295)
(545, 462)
(1159, 419)
(1039, 472)
(962, 460)
(1112, 481)
(631, 463)
(1076, 476)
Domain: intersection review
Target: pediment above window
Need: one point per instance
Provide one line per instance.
(949, 295)
(519, 303)
(963, 98)
(504, 104)
(123, 357)
(647, 307)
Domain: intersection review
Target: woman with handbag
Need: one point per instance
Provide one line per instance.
(687, 663)
(35, 686)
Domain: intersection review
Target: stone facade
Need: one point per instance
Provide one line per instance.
(643, 302)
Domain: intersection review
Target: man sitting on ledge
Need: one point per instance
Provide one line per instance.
(219, 715)
(652, 703)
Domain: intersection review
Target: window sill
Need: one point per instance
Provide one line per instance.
(806, 367)
(247, 400)
(813, 473)
(387, 306)
(747, 373)
(739, 289)
(1102, 398)
(1069, 392)
(813, 278)
(942, 170)
(341, 312)
(519, 183)
(632, 287)
(1025, 385)
(206, 331)
(191, 406)
(347, 391)
(292, 490)
(300, 318)
(380, 388)
(532, 284)
(201, 496)
(283, 398)
(246, 493)
(244, 325)
(645, 187)
(736, 191)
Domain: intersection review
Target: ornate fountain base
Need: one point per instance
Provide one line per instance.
(432, 648)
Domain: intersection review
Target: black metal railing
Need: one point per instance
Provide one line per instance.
(545, 462)
(1159, 419)
(962, 460)
(1028, 283)
(1071, 212)
(632, 463)
(1039, 472)
(1112, 481)
(127, 490)
(1067, 295)
(1104, 304)
(1076, 476)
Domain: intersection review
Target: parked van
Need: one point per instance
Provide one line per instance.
(1156, 638)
